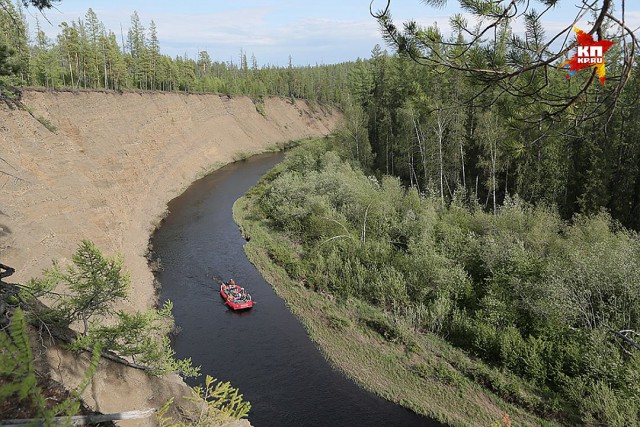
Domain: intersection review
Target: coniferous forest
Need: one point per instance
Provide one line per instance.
(86, 55)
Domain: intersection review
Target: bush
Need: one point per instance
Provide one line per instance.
(605, 406)
(338, 322)
(448, 375)
(285, 256)
(386, 329)
(511, 348)
(485, 340)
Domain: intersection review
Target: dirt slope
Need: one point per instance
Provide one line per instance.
(106, 174)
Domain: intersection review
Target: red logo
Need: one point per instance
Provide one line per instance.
(590, 54)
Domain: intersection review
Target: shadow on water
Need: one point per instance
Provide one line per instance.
(265, 351)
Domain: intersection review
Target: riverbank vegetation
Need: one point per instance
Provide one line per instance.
(420, 292)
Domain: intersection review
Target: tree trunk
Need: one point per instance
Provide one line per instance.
(494, 181)
(440, 138)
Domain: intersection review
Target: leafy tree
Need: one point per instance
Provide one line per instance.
(87, 291)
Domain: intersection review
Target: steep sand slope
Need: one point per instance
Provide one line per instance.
(107, 173)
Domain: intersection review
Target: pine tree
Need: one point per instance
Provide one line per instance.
(94, 281)
(69, 46)
(94, 30)
(153, 49)
(136, 47)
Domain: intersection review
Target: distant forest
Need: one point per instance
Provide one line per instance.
(87, 55)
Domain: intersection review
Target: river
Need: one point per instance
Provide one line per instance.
(265, 352)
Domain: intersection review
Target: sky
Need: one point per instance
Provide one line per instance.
(312, 32)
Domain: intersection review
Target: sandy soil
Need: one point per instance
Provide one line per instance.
(106, 174)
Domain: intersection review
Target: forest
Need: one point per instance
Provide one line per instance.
(406, 121)
(86, 55)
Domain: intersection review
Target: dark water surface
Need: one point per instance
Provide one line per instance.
(265, 352)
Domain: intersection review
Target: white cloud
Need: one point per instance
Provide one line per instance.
(274, 32)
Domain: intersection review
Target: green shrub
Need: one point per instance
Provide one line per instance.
(605, 406)
(485, 340)
(448, 375)
(338, 322)
(386, 329)
(423, 371)
(285, 256)
(511, 348)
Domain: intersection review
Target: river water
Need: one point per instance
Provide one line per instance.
(265, 352)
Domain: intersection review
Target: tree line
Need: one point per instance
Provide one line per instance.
(85, 54)
(444, 133)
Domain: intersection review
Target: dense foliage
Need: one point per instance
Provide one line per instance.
(87, 55)
(521, 289)
(444, 133)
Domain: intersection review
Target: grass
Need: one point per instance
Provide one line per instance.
(43, 121)
(421, 372)
(241, 156)
(47, 124)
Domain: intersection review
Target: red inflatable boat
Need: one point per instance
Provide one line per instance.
(235, 296)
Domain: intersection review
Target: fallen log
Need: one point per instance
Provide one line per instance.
(624, 337)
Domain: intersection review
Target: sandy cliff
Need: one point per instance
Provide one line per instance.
(106, 174)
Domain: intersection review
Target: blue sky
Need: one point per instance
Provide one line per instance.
(311, 32)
